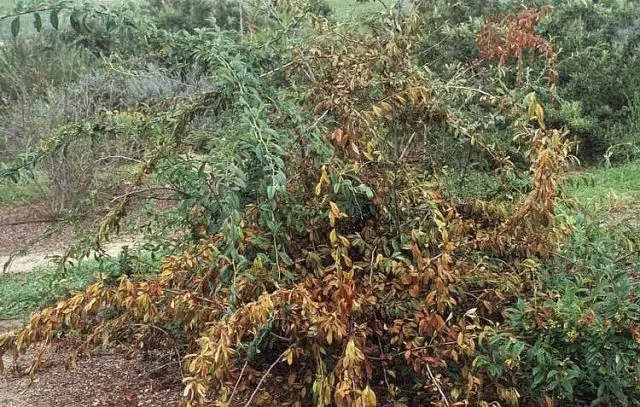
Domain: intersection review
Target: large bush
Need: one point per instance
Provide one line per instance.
(577, 339)
(317, 247)
(596, 64)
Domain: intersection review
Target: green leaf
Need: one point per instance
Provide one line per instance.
(75, 22)
(518, 348)
(15, 26)
(287, 274)
(37, 22)
(286, 259)
(364, 190)
(53, 19)
(271, 191)
(84, 23)
(567, 387)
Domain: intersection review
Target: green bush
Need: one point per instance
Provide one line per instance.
(31, 64)
(308, 154)
(578, 338)
(191, 14)
(598, 64)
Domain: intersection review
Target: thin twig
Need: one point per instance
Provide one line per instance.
(26, 222)
(282, 338)
(433, 379)
(192, 295)
(430, 346)
(122, 157)
(480, 91)
(139, 191)
(626, 256)
(159, 368)
(373, 254)
(384, 371)
(175, 345)
(235, 387)
(404, 152)
(241, 18)
(274, 70)
(264, 377)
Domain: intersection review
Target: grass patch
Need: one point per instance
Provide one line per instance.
(21, 294)
(7, 5)
(352, 8)
(612, 191)
(14, 194)
(607, 186)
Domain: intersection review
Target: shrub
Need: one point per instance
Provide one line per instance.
(34, 115)
(577, 339)
(191, 14)
(305, 172)
(595, 70)
(598, 66)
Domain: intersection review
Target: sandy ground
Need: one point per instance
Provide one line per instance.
(19, 231)
(107, 378)
(32, 260)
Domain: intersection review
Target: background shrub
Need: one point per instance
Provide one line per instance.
(577, 338)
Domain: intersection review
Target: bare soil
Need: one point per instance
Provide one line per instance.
(104, 379)
(25, 227)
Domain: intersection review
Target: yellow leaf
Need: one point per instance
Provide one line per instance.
(530, 264)
(288, 356)
(89, 305)
(387, 107)
(369, 397)
(333, 236)
(540, 114)
(334, 209)
(187, 390)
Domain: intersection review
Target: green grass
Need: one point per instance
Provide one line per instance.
(21, 294)
(607, 185)
(6, 5)
(349, 8)
(13, 194)
(610, 192)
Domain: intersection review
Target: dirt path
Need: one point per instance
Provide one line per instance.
(106, 379)
(31, 261)
(24, 226)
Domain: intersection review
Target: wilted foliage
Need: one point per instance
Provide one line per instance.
(325, 256)
(520, 37)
